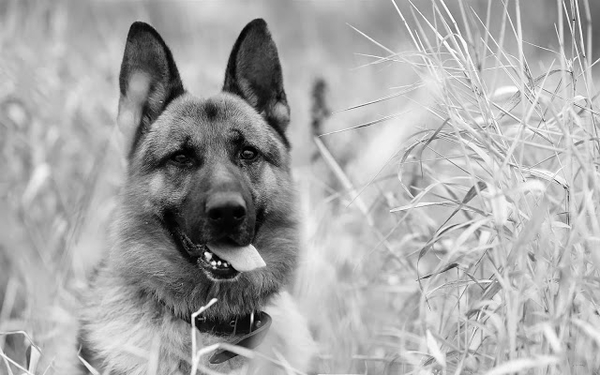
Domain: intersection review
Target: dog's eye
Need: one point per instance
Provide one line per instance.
(248, 153)
(181, 158)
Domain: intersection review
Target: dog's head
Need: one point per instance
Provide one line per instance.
(207, 209)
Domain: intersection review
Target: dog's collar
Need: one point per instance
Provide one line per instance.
(252, 327)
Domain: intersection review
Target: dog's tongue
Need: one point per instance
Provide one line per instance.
(242, 258)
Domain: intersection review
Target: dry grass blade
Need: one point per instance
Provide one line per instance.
(523, 364)
(343, 179)
(365, 125)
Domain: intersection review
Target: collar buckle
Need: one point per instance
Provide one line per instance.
(257, 331)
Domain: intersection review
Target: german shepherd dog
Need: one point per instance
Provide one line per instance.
(207, 212)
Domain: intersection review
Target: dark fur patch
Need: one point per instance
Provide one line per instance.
(211, 110)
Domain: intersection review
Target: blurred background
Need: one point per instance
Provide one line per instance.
(61, 165)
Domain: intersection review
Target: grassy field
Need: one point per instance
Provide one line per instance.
(450, 205)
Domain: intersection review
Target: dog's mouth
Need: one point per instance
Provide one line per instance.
(221, 260)
(216, 266)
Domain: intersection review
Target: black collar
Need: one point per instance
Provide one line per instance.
(249, 331)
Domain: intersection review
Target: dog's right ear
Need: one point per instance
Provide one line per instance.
(148, 81)
(254, 73)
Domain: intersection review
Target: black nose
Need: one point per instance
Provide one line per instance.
(226, 210)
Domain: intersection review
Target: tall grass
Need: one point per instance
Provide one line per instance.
(496, 206)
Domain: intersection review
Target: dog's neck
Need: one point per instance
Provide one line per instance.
(247, 331)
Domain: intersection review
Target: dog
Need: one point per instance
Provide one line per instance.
(207, 211)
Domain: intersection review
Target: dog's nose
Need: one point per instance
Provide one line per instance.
(226, 210)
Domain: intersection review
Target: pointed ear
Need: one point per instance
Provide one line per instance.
(254, 73)
(148, 81)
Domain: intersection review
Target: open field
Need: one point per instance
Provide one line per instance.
(451, 204)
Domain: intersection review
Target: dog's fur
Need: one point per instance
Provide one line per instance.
(184, 151)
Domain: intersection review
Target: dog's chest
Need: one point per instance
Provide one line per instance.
(135, 343)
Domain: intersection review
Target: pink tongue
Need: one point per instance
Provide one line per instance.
(242, 258)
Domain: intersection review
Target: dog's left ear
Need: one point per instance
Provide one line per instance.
(254, 73)
(148, 81)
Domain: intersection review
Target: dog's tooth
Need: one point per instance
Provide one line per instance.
(219, 263)
(207, 255)
(214, 264)
(225, 264)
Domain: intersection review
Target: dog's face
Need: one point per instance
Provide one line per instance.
(207, 209)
